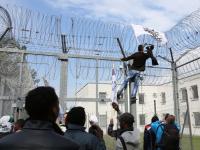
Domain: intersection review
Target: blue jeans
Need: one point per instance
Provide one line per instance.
(133, 76)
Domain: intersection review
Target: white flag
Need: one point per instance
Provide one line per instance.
(114, 86)
(140, 30)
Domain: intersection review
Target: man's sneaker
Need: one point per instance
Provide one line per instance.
(133, 100)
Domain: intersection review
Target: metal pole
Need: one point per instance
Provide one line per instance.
(185, 117)
(175, 92)
(63, 82)
(190, 126)
(155, 112)
(132, 106)
(175, 88)
(20, 92)
(2, 83)
(21, 74)
(97, 88)
(128, 97)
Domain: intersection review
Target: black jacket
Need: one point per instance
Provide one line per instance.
(139, 60)
(149, 138)
(37, 135)
(86, 140)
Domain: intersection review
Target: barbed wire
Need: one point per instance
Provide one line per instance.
(42, 32)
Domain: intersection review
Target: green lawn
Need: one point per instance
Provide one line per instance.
(185, 143)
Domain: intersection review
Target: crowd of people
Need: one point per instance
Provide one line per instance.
(40, 131)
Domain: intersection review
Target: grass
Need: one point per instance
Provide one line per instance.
(185, 142)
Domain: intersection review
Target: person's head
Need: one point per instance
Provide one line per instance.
(19, 125)
(166, 116)
(154, 118)
(76, 116)
(126, 120)
(170, 119)
(140, 48)
(42, 103)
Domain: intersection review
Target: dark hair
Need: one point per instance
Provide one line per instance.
(39, 101)
(154, 118)
(20, 122)
(76, 116)
(127, 118)
(170, 119)
(140, 47)
(166, 115)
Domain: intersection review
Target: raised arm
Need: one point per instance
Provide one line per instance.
(129, 57)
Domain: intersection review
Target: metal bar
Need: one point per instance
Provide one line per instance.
(175, 91)
(188, 62)
(91, 100)
(155, 112)
(175, 87)
(21, 75)
(121, 48)
(188, 51)
(57, 54)
(63, 82)
(164, 58)
(63, 42)
(189, 76)
(4, 33)
(97, 86)
(158, 67)
(172, 57)
(190, 126)
(184, 123)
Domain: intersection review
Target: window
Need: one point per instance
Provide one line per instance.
(103, 120)
(102, 96)
(163, 98)
(197, 118)
(142, 119)
(141, 98)
(195, 94)
(154, 95)
(187, 120)
(184, 94)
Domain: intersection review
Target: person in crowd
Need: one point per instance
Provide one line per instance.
(167, 133)
(93, 125)
(129, 137)
(149, 135)
(19, 124)
(139, 60)
(40, 130)
(110, 131)
(6, 125)
(166, 116)
(75, 122)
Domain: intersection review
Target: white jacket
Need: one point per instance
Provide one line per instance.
(131, 138)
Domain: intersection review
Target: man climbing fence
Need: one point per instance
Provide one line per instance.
(139, 60)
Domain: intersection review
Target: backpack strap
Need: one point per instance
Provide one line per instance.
(160, 126)
(123, 142)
